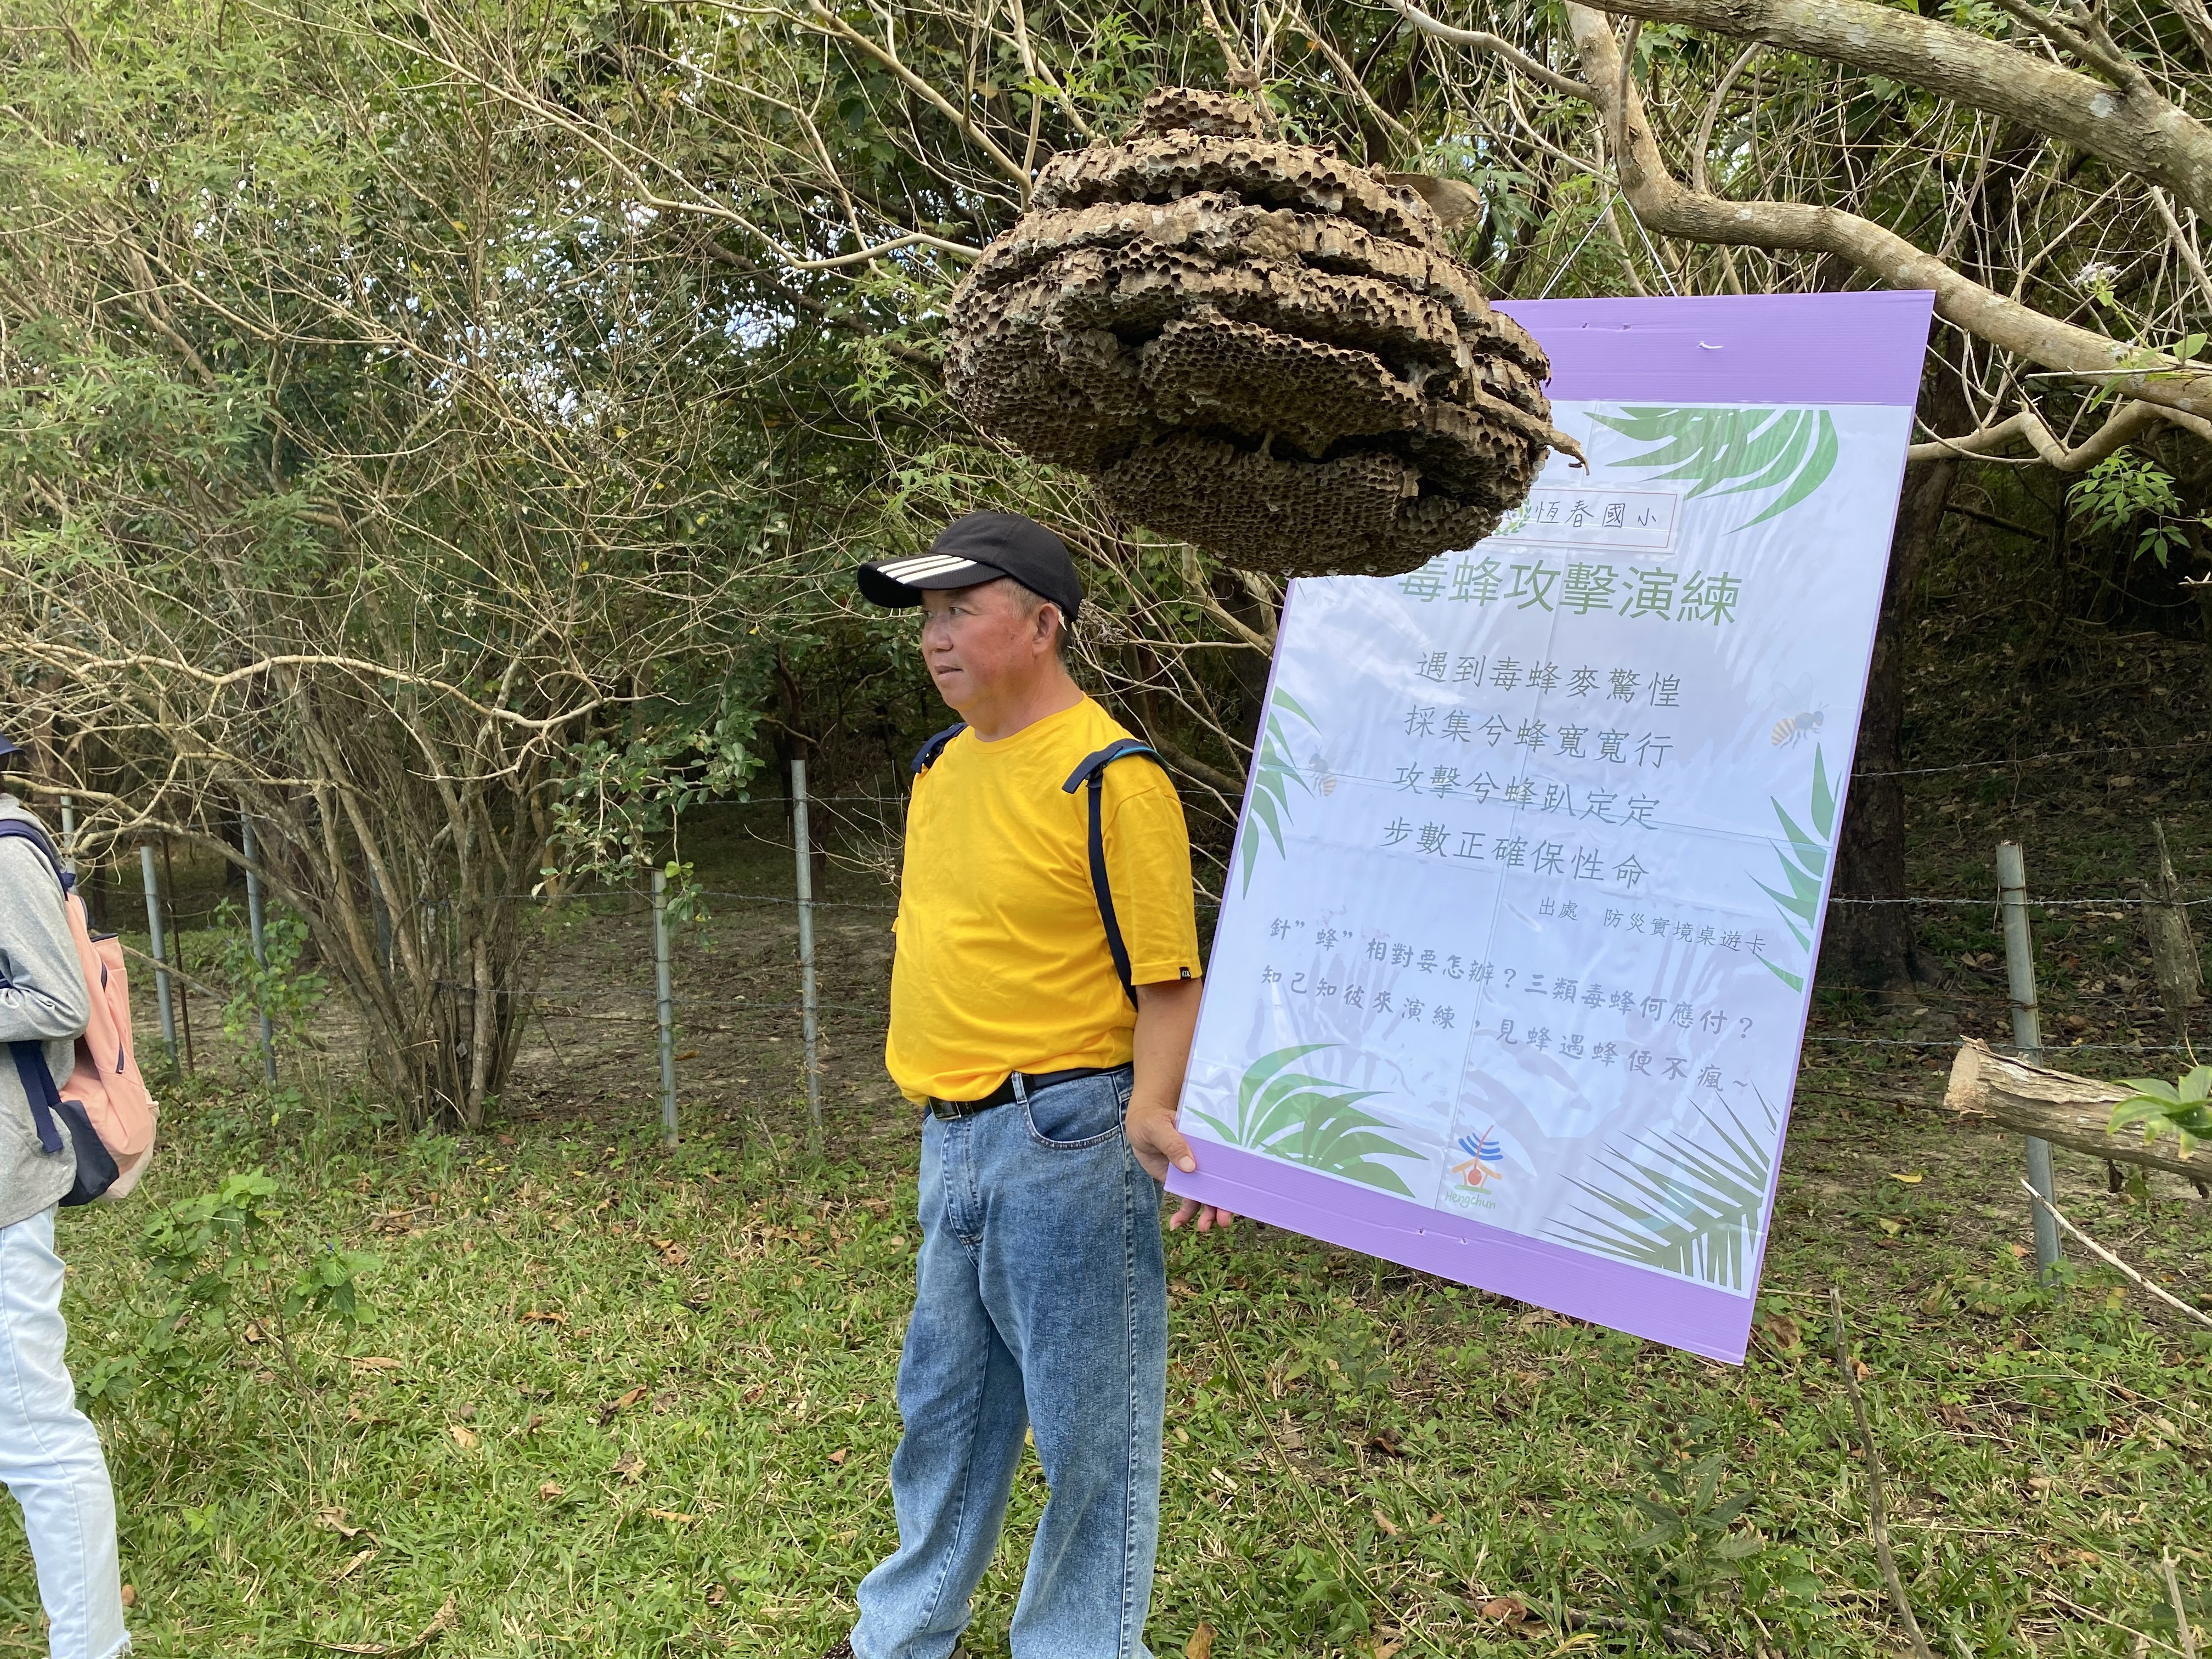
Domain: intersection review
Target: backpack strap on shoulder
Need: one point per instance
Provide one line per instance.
(1092, 771)
(925, 756)
(24, 830)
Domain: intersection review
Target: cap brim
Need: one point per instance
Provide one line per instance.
(900, 583)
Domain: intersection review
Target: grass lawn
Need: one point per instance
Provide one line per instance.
(619, 1402)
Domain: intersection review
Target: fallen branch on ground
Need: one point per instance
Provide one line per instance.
(1876, 1510)
(2112, 1261)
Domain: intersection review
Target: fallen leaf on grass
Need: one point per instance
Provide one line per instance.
(464, 1436)
(1913, 1179)
(688, 1054)
(551, 1490)
(675, 1517)
(540, 1316)
(1386, 1522)
(131, 1596)
(1506, 1610)
(1861, 1369)
(1383, 1650)
(1200, 1645)
(608, 1411)
(838, 1456)
(1781, 1330)
(665, 1402)
(630, 1465)
(445, 1618)
(336, 1520)
(379, 1363)
(752, 1393)
(354, 1565)
(716, 1595)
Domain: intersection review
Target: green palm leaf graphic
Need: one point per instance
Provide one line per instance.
(1746, 449)
(1804, 860)
(1274, 772)
(1311, 1120)
(1677, 1206)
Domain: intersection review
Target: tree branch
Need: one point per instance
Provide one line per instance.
(822, 20)
(1666, 207)
(2132, 127)
(1495, 45)
(2130, 421)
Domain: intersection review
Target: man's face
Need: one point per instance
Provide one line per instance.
(981, 642)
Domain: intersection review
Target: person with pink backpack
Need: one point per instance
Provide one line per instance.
(53, 1152)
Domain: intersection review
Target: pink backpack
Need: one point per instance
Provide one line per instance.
(105, 1098)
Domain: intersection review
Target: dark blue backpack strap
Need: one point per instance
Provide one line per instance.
(30, 1057)
(1092, 771)
(38, 1081)
(925, 756)
(24, 830)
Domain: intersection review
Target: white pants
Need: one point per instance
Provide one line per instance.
(49, 1456)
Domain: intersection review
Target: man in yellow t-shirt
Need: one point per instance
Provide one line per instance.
(1043, 999)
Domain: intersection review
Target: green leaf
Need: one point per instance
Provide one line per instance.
(1745, 448)
(1266, 1066)
(1796, 982)
(1815, 474)
(1810, 852)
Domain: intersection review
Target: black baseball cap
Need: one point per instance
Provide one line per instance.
(982, 547)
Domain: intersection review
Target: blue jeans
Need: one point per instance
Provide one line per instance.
(49, 1455)
(1040, 1303)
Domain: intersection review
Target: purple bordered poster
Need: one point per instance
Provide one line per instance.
(1516, 946)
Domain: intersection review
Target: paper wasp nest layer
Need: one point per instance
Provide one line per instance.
(1254, 346)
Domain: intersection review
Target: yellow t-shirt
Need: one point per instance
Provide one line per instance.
(1002, 964)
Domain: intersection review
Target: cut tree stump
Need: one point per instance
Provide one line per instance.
(2062, 1108)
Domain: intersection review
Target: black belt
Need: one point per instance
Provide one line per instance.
(1032, 1082)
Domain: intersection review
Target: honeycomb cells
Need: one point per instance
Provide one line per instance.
(1252, 345)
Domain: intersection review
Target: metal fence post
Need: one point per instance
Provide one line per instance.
(159, 952)
(253, 920)
(2027, 1032)
(664, 990)
(810, 1024)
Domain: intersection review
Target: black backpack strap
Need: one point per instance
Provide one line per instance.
(925, 756)
(1092, 771)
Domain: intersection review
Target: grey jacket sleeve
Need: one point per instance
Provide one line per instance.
(45, 996)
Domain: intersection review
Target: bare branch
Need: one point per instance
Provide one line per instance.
(2132, 127)
(1495, 45)
(1666, 207)
(2130, 421)
(821, 19)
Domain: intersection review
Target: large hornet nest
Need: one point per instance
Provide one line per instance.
(1254, 346)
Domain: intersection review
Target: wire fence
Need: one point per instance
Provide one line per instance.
(684, 992)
